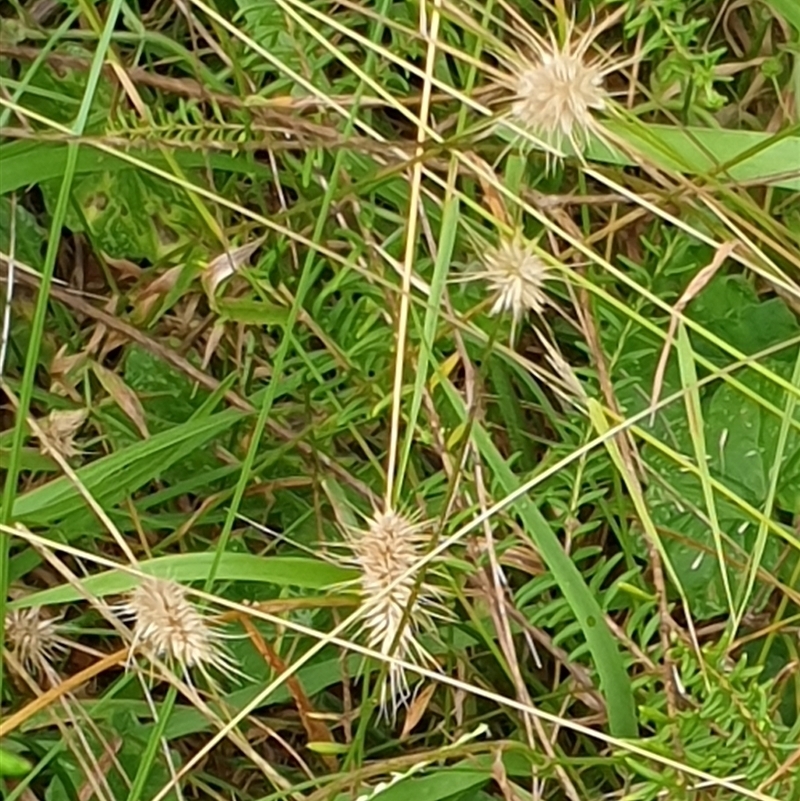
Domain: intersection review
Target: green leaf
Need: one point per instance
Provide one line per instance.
(295, 571)
(28, 163)
(445, 783)
(614, 681)
(758, 157)
(28, 234)
(131, 214)
(730, 308)
(114, 477)
(164, 391)
(789, 10)
(13, 765)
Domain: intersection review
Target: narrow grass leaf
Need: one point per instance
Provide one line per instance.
(282, 571)
(112, 478)
(694, 414)
(615, 683)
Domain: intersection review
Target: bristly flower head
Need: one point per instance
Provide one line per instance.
(167, 624)
(515, 275)
(33, 639)
(60, 427)
(558, 88)
(388, 552)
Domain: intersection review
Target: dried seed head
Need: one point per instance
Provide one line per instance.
(388, 552)
(60, 427)
(516, 276)
(33, 639)
(168, 625)
(557, 89)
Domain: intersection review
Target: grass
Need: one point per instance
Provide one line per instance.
(245, 248)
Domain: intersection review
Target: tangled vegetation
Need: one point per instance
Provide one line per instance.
(399, 400)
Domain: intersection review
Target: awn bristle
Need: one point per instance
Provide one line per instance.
(167, 624)
(387, 552)
(33, 639)
(515, 276)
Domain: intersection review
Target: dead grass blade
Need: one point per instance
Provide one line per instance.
(695, 287)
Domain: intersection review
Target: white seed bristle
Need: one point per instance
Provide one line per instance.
(167, 624)
(33, 639)
(60, 427)
(515, 275)
(386, 552)
(557, 89)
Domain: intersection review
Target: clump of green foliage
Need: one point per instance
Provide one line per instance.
(400, 400)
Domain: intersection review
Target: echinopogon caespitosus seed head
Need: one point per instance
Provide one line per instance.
(558, 88)
(387, 553)
(167, 624)
(515, 276)
(33, 639)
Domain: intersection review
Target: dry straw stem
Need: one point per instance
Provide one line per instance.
(392, 481)
(14, 721)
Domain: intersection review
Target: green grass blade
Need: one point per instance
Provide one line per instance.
(769, 503)
(112, 478)
(282, 571)
(615, 683)
(694, 415)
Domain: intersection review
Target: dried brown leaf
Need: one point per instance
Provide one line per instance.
(212, 342)
(695, 287)
(417, 709)
(60, 427)
(64, 373)
(226, 264)
(123, 396)
(151, 293)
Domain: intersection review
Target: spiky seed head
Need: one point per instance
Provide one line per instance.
(558, 88)
(167, 624)
(555, 97)
(515, 275)
(388, 552)
(33, 639)
(60, 428)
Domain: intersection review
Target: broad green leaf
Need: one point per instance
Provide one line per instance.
(166, 393)
(296, 571)
(13, 765)
(28, 234)
(132, 214)
(755, 156)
